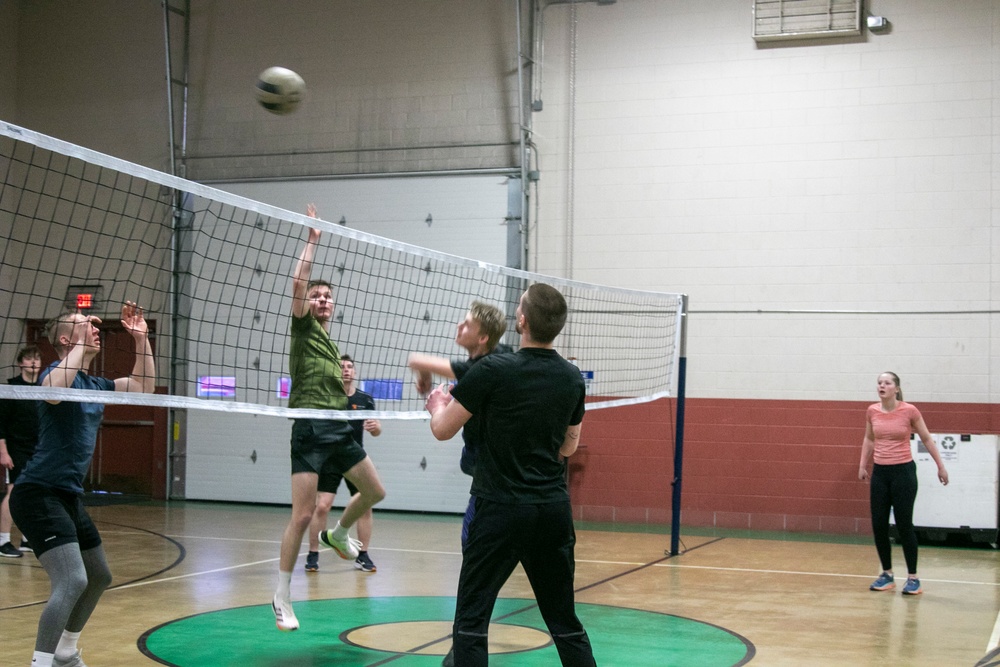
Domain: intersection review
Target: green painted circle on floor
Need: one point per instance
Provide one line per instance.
(333, 633)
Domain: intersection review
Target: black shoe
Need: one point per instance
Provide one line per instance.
(364, 563)
(7, 550)
(312, 561)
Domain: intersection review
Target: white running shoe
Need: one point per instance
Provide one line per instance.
(284, 617)
(75, 661)
(347, 549)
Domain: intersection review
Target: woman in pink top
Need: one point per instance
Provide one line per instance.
(888, 427)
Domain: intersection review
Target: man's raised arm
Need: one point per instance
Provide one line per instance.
(143, 377)
(303, 269)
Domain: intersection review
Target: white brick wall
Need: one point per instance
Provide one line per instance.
(819, 176)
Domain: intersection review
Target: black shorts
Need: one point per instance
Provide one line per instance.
(50, 518)
(329, 481)
(323, 445)
(20, 460)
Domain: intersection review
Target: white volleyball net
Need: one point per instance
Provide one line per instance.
(212, 271)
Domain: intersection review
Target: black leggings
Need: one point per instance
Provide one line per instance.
(894, 487)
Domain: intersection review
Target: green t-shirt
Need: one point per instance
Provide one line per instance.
(314, 364)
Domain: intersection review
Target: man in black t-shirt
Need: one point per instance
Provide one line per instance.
(479, 333)
(531, 404)
(18, 437)
(329, 477)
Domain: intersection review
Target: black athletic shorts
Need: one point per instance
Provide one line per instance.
(50, 518)
(329, 481)
(323, 444)
(20, 460)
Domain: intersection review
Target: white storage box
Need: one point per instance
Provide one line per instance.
(970, 502)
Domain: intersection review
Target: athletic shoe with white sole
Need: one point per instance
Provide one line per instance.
(348, 549)
(912, 587)
(364, 563)
(284, 617)
(8, 550)
(884, 582)
(75, 661)
(312, 561)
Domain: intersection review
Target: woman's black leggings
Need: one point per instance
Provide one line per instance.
(894, 487)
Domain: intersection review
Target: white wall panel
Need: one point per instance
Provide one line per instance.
(237, 457)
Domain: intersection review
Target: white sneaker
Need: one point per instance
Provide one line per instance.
(347, 549)
(284, 617)
(75, 661)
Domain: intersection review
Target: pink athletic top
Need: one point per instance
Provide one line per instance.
(892, 432)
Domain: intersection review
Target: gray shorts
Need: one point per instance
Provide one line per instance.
(324, 446)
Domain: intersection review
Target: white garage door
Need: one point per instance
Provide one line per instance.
(237, 457)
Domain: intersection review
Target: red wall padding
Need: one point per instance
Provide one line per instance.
(756, 464)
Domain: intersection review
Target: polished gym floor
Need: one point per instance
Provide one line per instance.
(193, 583)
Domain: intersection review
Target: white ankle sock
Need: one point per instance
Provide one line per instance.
(67, 645)
(339, 533)
(284, 586)
(40, 659)
(4, 538)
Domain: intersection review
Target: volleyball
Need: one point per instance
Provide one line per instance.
(279, 90)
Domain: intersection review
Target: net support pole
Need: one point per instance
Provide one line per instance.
(675, 502)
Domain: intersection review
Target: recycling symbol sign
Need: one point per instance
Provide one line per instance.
(949, 448)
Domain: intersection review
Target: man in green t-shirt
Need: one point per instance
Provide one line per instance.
(314, 366)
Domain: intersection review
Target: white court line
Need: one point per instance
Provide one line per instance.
(188, 537)
(994, 640)
(194, 574)
(149, 582)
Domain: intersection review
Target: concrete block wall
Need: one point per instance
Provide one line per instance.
(832, 176)
(395, 86)
(8, 54)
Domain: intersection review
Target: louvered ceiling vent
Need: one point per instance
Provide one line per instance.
(775, 20)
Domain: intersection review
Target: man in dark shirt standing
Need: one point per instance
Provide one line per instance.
(18, 437)
(479, 333)
(532, 406)
(329, 477)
